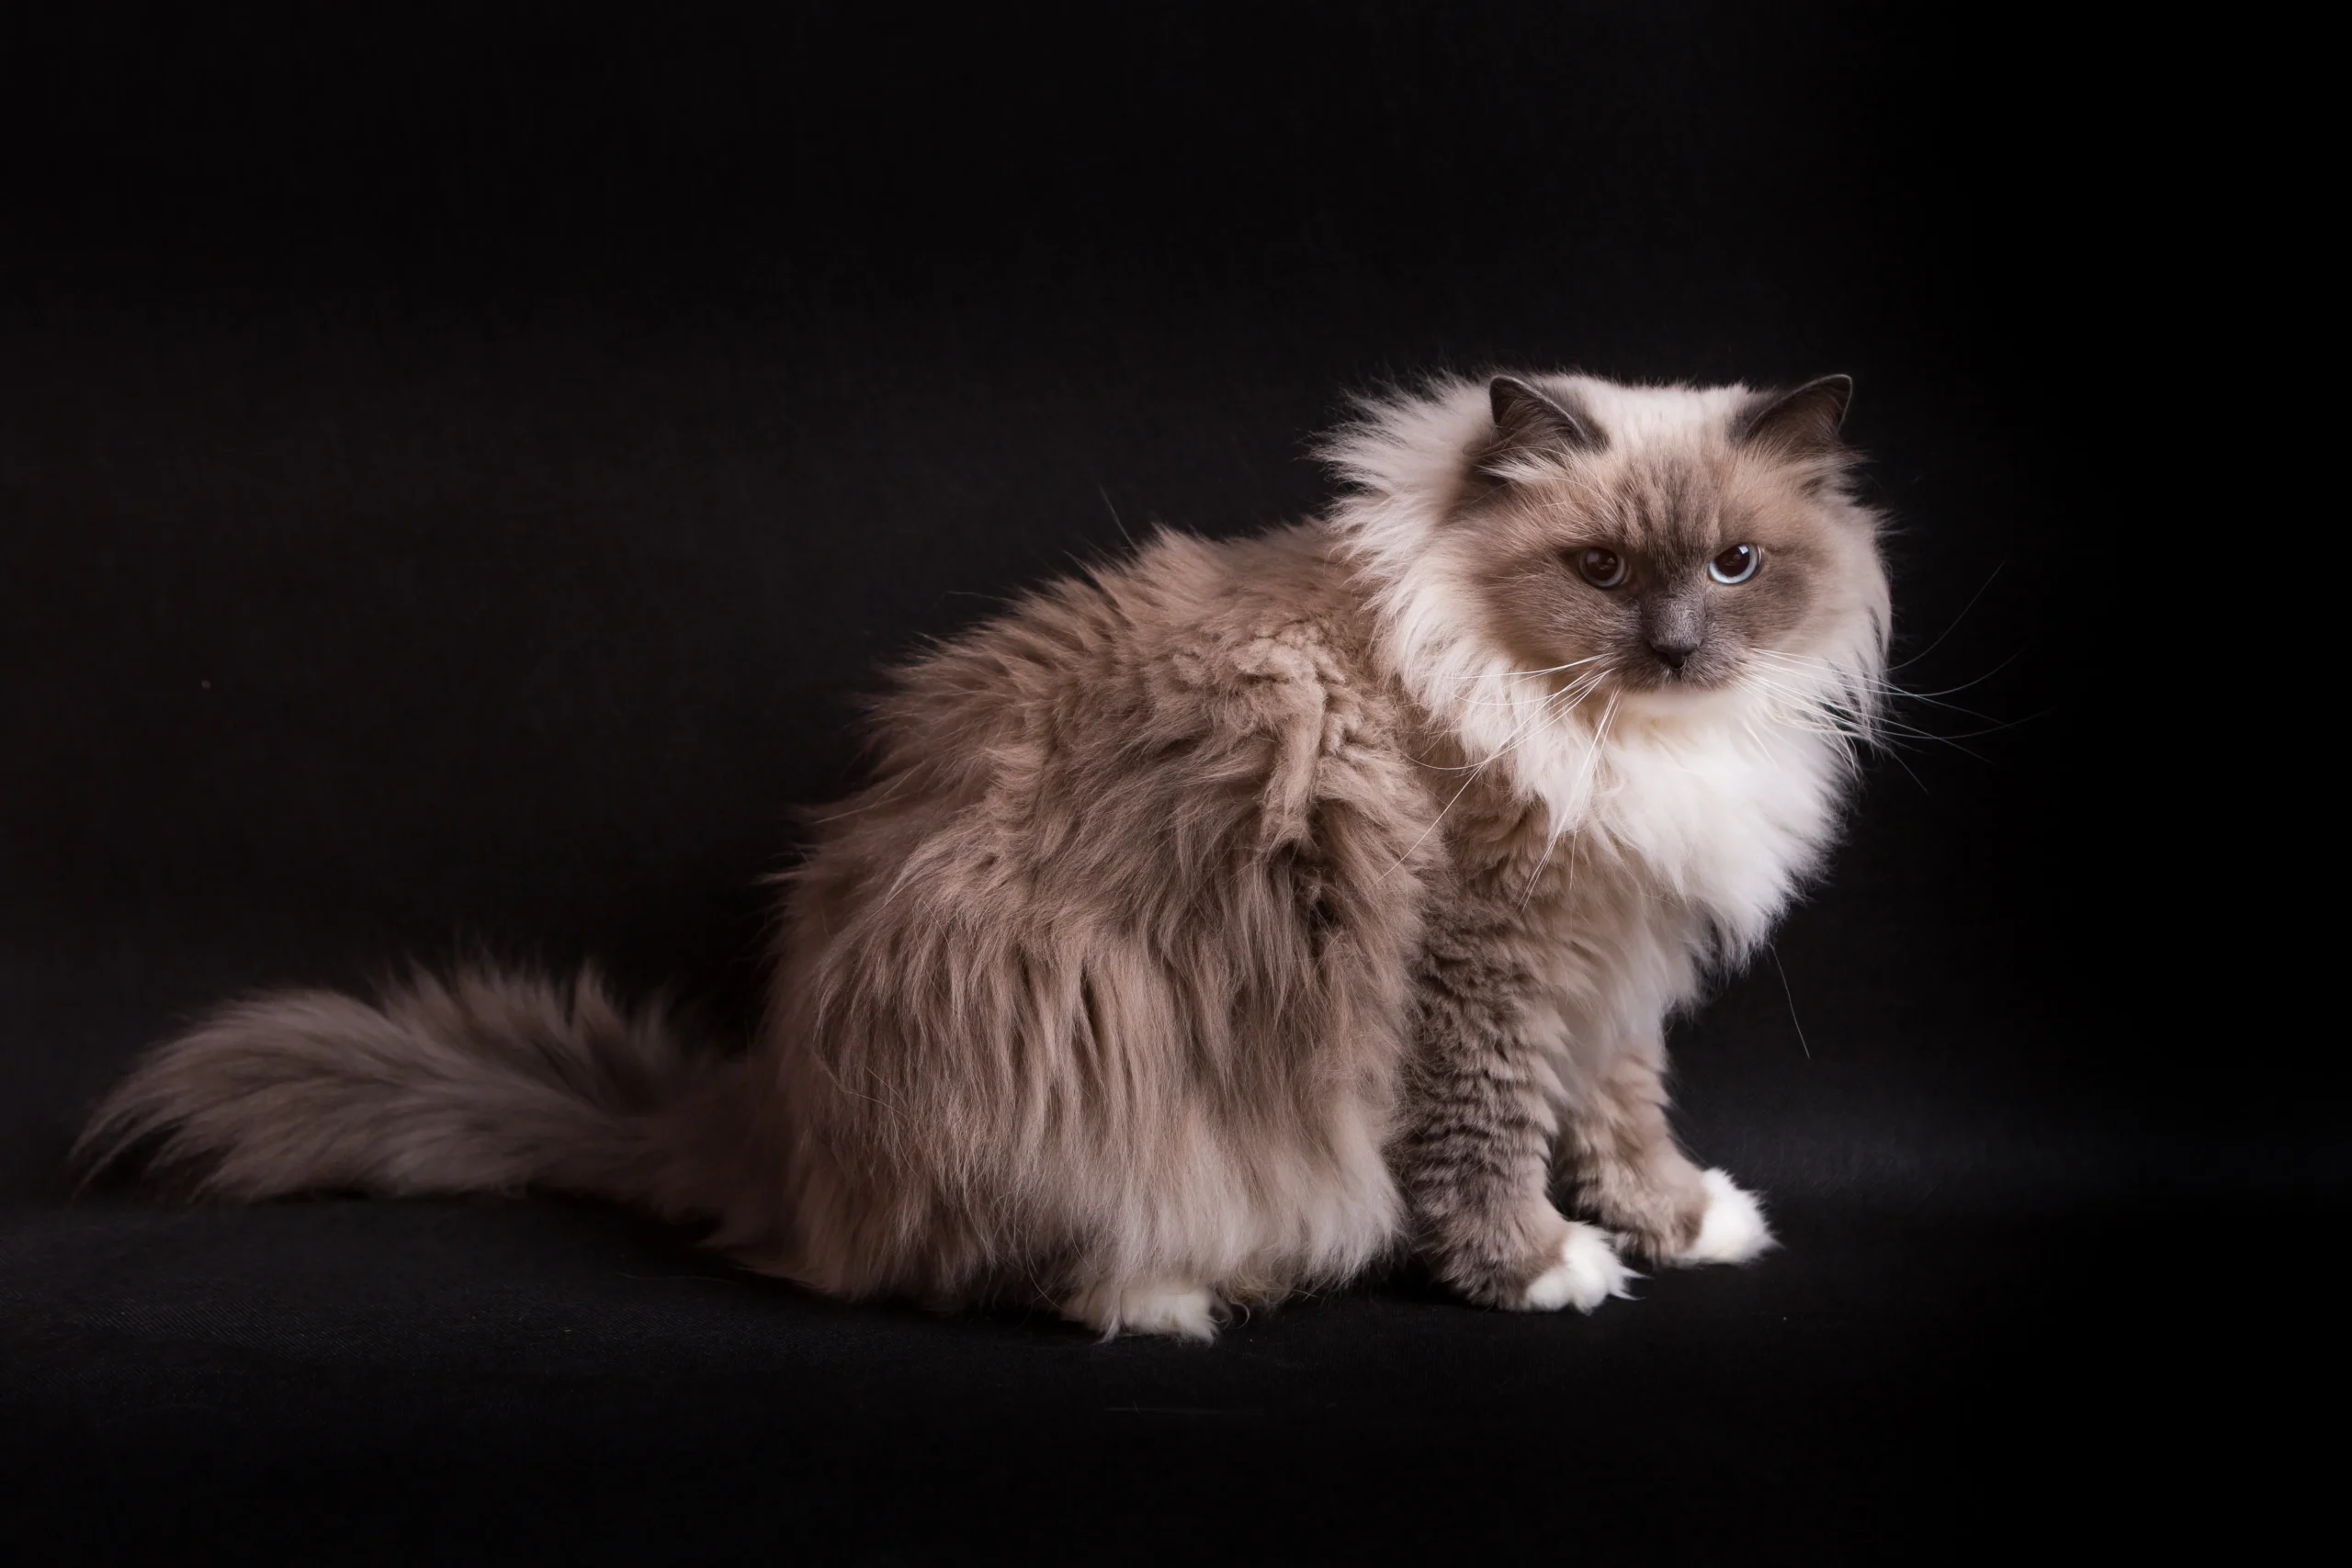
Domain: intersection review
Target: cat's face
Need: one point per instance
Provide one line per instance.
(1650, 569)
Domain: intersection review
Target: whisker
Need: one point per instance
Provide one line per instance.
(1592, 764)
(1774, 949)
(1955, 620)
(1882, 722)
(1502, 674)
(1855, 734)
(1520, 700)
(1882, 684)
(1473, 770)
(1546, 709)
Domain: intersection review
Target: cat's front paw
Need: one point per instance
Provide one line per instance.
(1732, 1230)
(1587, 1274)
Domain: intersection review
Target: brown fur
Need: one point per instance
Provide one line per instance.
(1181, 950)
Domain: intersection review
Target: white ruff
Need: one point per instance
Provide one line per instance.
(1725, 798)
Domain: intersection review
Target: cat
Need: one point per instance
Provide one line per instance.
(1226, 921)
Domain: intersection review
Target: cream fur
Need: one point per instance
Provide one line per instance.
(1224, 924)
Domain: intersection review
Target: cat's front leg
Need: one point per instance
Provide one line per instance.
(1619, 1162)
(1473, 1158)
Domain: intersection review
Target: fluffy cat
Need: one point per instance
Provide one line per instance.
(1221, 923)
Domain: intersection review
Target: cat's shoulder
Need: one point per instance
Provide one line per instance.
(1188, 641)
(1270, 628)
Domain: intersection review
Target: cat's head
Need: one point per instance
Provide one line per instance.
(1654, 549)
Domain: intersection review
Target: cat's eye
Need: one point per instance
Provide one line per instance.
(1602, 568)
(1736, 565)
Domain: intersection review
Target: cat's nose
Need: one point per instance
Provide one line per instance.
(1674, 625)
(1674, 649)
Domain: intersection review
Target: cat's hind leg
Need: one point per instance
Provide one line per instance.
(1622, 1165)
(1173, 1308)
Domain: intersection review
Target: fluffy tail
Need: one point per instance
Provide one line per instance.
(483, 1082)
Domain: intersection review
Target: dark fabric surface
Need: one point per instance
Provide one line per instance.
(481, 1381)
(460, 469)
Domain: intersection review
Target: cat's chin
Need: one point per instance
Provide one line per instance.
(1682, 701)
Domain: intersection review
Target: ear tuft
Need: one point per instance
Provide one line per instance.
(1802, 423)
(1529, 421)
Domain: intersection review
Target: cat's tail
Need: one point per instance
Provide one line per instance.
(480, 1082)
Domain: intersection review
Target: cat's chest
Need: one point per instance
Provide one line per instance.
(1721, 823)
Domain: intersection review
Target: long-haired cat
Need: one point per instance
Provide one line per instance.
(1220, 923)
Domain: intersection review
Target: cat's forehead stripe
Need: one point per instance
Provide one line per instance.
(1669, 499)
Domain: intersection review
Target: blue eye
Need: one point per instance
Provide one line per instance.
(1736, 565)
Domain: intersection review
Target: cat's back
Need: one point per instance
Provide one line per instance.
(1183, 622)
(1157, 747)
(1198, 682)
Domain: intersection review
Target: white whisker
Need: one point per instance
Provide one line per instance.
(1506, 674)
(1591, 766)
(1544, 710)
(1955, 620)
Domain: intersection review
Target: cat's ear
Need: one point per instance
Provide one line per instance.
(1526, 422)
(1802, 423)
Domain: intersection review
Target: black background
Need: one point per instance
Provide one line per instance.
(462, 466)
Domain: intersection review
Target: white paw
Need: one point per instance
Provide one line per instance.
(1733, 1229)
(1587, 1274)
(1181, 1312)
